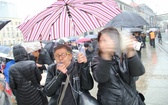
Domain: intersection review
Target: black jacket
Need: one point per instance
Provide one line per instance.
(25, 93)
(110, 92)
(55, 79)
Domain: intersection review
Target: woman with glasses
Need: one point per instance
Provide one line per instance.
(56, 76)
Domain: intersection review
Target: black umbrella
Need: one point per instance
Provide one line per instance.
(136, 30)
(3, 23)
(127, 19)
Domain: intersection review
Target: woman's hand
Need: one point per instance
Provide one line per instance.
(81, 58)
(130, 46)
(38, 65)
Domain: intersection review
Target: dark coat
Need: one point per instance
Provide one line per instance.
(159, 35)
(55, 79)
(26, 94)
(44, 58)
(110, 91)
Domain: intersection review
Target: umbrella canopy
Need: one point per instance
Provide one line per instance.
(69, 18)
(3, 23)
(73, 38)
(153, 29)
(60, 41)
(6, 52)
(66, 39)
(82, 40)
(127, 19)
(136, 30)
(94, 36)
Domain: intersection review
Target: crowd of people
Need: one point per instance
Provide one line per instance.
(100, 60)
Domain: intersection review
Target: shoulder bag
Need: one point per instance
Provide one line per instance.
(83, 98)
(131, 97)
(38, 87)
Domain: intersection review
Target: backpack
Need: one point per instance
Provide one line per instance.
(152, 35)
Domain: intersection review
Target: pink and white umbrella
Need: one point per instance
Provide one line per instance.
(66, 18)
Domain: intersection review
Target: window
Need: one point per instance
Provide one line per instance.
(9, 42)
(121, 7)
(3, 34)
(85, 33)
(4, 42)
(90, 33)
(9, 35)
(14, 42)
(12, 35)
(17, 35)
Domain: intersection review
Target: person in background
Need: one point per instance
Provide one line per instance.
(89, 52)
(74, 45)
(56, 75)
(139, 39)
(4, 97)
(81, 48)
(41, 57)
(2, 64)
(9, 63)
(159, 37)
(152, 38)
(24, 75)
(95, 46)
(110, 63)
(143, 36)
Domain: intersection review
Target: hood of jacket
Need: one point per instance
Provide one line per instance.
(19, 53)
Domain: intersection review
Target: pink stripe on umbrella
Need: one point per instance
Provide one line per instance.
(68, 18)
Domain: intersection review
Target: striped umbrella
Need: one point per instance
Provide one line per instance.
(66, 18)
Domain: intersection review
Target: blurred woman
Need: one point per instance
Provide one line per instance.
(110, 62)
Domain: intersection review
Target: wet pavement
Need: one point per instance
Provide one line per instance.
(154, 83)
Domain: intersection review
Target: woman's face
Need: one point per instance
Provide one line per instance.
(63, 56)
(106, 44)
(136, 34)
(36, 53)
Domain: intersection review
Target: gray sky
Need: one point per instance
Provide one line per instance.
(32, 7)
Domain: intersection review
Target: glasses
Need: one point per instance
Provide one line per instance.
(63, 55)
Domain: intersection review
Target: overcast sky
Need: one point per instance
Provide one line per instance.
(31, 7)
(158, 6)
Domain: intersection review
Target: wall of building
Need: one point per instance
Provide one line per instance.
(10, 34)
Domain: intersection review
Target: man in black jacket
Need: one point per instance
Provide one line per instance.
(56, 75)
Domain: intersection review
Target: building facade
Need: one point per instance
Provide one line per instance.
(10, 34)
